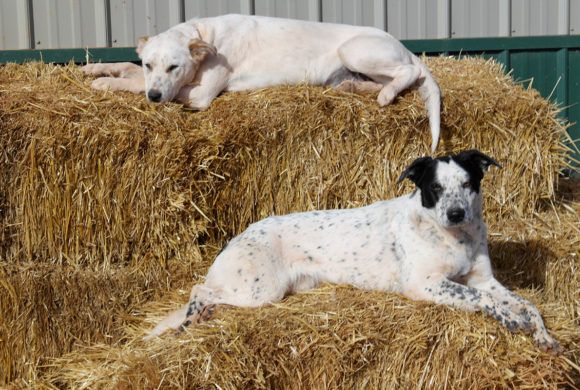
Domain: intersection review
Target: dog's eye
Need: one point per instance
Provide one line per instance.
(466, 185)
(436, 187)
(148, 66)
(172, 68)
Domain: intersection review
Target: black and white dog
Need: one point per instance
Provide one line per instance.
(428, 245)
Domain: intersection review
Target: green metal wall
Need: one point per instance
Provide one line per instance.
(553, 62)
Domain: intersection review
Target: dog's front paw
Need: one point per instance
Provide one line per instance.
(102, 84)
(547, 343)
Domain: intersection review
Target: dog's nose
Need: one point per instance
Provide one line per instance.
(154, 95)
(455, 215)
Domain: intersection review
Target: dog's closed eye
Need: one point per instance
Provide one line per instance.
(148, 66)
(172, 68)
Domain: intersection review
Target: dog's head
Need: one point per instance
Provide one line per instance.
(450, 185)
(170, 61)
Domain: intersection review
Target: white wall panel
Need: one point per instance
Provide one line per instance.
(539, 17)
(97, 23)
(418, 19)
(476, 18)
(131, 19)
(204, 8)
(574, 17)
(358, 12)
(14, 24)
(69, 23)
(296, 9)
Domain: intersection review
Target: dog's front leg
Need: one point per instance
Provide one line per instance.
(207, 86)
(530, 315)
(511, 311)
(481, 278)
(135, 85)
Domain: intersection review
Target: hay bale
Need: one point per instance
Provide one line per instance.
(107, 192)
(341, 337)
(94, 178)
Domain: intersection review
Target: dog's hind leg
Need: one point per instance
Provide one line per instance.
(201, 304)
(384, 61)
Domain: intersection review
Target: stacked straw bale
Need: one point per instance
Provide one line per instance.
(110, 208)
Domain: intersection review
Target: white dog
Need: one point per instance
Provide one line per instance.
(428, 245)
(195, 61)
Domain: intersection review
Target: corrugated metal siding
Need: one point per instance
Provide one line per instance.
(418, 19)
(297, 9)
(204, 8)
(14, 25)
(476, 18)
(574, 17)
(359, 12)
(69, 23)
(539, 17)
(131, 19)
(101, 23)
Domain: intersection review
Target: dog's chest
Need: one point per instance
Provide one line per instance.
(450, 251)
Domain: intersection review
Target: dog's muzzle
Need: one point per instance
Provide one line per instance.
(455, 215)
(154, 95)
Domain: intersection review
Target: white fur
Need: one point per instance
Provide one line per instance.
(255, 52)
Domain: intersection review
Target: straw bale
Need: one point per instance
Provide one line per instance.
(341, 337)
(107, 203)
(93, 178)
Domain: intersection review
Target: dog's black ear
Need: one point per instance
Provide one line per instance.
(415, 171)
(477, 158)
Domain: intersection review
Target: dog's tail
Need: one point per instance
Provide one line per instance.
(431, 95)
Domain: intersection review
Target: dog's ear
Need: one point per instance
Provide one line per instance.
(477, 158)
(415, 171)
(200, 50)
(141, 44)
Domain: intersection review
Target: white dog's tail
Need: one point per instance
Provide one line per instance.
(431, 95)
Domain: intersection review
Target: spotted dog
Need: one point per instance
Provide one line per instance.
(428, 245)
(195, 61)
